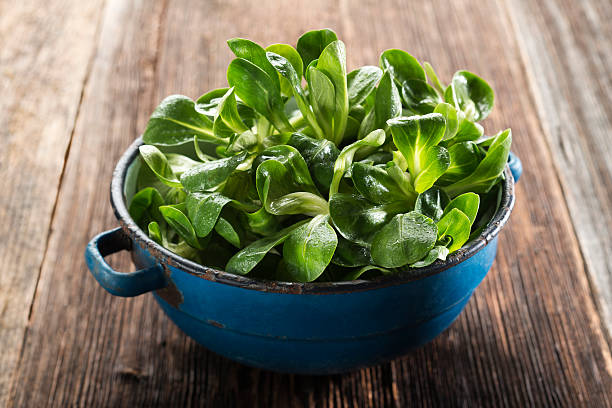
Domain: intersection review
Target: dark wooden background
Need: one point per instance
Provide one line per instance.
(78, 80)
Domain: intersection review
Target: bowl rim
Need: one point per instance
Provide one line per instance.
(166, 257)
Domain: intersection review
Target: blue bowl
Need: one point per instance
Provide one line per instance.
(307, 328)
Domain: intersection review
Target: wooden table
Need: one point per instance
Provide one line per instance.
(78, 81)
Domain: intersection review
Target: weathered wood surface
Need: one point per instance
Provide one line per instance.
(531, 335)
(44, 61)
(568, 52)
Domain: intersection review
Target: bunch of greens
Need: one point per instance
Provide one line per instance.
(301, 172)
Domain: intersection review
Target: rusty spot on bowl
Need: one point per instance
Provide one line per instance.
(170, 293)
(215, 323)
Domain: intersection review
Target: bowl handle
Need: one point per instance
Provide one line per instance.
(117, 283)
(516, 167)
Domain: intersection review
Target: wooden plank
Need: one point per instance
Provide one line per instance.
(531, 336)
(116, 103)
(44, 61)
(566, 48)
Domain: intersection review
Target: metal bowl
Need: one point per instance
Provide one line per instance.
(309, 328)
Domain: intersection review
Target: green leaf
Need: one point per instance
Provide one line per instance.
(295, 164)
(402, 66)
(387, 105)
(350, 255)
(247, 114)
(471, 94)
(254, 53)
(467, 132)
(259, 91)
(485, 142)
(175, 196)
(376, 185)
(357, 273)
(240, 186)
(299, 202)
(437, 252)
(180, 163)
(345, 158)
(320, 156)
(246, 259)
(311, 44)
(199, 153)
(183, 249)
(450, 118)
(416, 137)
(489, 204)
(332, 62)
(361, 82)
(468, 203)
(379, 157)
(313, 64)
(217, 253)
(352, 129)
(262, 222)
(288, 71)
(204, 210)
(263, 127)
(275, 139)
(368, 124)
(208, 103)
(309, 249)
(357, 112)
(456, 226)
(322, 99)
(243, 141)
(401, 178)
(175, 121)
(433, 78)
(432, 203)
(488, 170)
(181, 224)
(158, 163)
(291, 55)
(435, 162)
(144, 206)
(404, 240)
(228, 112)
(209, 175)
(419, 96)
(358, 219)
(368, 103)
(155, 233)
(281, 192)
(224, 228)
(147, 178)
(464, 158)
(221, 130)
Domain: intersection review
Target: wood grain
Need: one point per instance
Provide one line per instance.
(531, 336)
(566, 46)
(44, 61)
